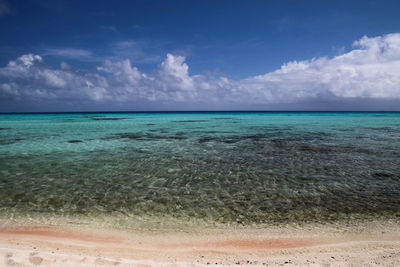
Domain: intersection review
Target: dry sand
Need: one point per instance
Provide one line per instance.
(52, 245)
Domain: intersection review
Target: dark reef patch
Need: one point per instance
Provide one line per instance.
(5, 128)
(383, 174)
(344, 129)
(94, 116)
(283, 143)
(108, 119)
(10, 141)
(206, 139)
(149, 136)
(355, 149)
(298, 144)
(75, 141)
(144, 137)
(232, 139)
(190, 121)
(133, 136)
(380, 128)
(316, 149)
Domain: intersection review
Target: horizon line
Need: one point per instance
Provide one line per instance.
(194, 111)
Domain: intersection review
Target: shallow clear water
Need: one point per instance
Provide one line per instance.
(250, 167)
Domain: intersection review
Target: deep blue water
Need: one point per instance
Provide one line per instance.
(226, 167)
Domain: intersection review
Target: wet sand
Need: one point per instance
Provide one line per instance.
(63, 245)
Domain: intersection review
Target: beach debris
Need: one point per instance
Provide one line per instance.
(11, 262)
(35, 260)
(101, 261)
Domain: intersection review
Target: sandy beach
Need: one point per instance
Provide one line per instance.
(51, 245)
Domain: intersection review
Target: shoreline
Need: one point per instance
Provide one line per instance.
(33, 244)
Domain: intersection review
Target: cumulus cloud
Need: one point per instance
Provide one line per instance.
(28, 77)
(370, 71)
(170, 82)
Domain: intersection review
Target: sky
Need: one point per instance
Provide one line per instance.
(102, 55)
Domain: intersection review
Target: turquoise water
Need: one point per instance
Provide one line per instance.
(225, 167)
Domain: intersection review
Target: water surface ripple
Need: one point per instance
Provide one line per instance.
(231, 167)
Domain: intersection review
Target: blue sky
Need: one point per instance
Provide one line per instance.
(171, 55)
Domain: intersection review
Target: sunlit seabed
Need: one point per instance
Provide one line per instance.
(217, 168)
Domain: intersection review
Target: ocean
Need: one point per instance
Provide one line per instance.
(215, 168)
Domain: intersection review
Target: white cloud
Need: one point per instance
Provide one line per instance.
(29, 77)
(370, 71)
(127, 81)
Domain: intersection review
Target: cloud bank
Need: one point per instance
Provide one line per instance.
(370, 71)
